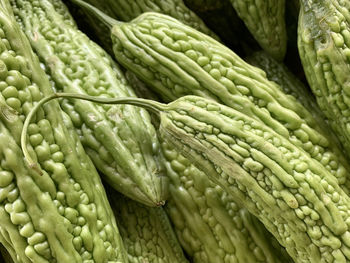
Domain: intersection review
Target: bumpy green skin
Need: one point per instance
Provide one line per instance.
(176, 60)
(265, 20)
(62, 215)
(62, 9)
(323, 43)
(298, 200)
(147, 233)
(127, 10)
(120, 140)
(209, 224)
(279, 73)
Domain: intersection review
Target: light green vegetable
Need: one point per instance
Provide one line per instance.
(265, 20)
(62, 9)
(299, 201)
(146, 232)
(176, 60)
(279, 73)
(62, 214)
(323, 43)
(210, 225)
(121, 141)
(127, 10)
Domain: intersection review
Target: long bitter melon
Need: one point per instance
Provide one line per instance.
(176, 60)
(121, 141)
(63, 214)
(299, 201)
(323, 43)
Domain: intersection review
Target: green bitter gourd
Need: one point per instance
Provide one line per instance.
(210, 225)
(121, 141)
(279, 73)
(127, 10)
(299, 201)
(62, 215)
(63, 10)
(323, 44)
(176, 60)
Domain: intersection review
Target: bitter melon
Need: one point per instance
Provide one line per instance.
(299, 201)
(279, 73)
(176, 60)
(127, 10)
(63, 214)
(62, 9)
(121, 141)
(210, 225)
(323, 43)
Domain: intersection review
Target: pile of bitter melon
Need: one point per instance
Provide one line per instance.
(171, 131)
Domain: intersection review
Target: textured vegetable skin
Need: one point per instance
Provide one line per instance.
(176, 60)
(298, 200)
(210, 225)
(279, 73)
(127, 10)
(206, 132)
(265, 21)
(62, 215)
(62, 9)
(323, 44)
(147, 233)
(121, 141)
